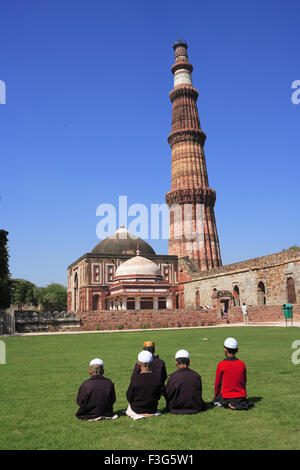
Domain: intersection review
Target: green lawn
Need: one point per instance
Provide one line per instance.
(40, 379)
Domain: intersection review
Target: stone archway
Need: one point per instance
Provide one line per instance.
(197, 300)
(261, 293)
(236, 296)
(291, 291)
(96, 302)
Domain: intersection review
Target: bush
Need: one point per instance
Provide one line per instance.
(144, 326)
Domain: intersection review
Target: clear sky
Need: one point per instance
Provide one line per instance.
(87, 116)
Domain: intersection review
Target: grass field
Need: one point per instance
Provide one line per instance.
(40, 379)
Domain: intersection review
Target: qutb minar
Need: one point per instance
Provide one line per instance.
(190, 192)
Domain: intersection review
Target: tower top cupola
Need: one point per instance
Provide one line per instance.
(182, 69)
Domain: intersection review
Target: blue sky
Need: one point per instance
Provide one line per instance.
(87, 116)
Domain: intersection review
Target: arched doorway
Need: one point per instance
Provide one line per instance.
(291, 291)
(96, 302)
(197, 299)
(236, 296)
(261, 293)
(182, 300)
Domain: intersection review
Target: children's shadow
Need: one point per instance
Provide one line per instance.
(255, 399)
(252, 400)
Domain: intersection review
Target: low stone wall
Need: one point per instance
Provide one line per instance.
(7, 321)
(266, 313)
(29, 321)
(36, 326)
(143, 319)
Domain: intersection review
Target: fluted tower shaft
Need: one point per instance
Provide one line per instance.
(193, 230)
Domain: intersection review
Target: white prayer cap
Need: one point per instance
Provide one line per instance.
(182, 353)
(145, 357)
(97, 361)
(231, 343)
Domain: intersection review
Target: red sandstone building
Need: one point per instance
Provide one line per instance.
(122, 272)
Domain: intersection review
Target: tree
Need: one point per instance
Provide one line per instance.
(5, 281)
(53, 297)
(24, 293)
(293, 247)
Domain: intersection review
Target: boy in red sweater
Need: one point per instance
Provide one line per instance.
(230, 382)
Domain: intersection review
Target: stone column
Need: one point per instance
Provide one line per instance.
(155, 303)
(137, 305)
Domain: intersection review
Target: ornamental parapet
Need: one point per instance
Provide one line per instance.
(182, 65)
(185, 90)
(205, 196)
(184, 135)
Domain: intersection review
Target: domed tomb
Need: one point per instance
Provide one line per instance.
(123, 242)
(138, 267)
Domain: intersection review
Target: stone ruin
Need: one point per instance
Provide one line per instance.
(25, 321)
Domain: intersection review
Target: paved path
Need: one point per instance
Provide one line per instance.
(278, 323)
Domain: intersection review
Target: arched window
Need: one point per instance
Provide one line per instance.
(261, 293)
(236, 296)
(182, 300)
(197, 299)
(291, 291)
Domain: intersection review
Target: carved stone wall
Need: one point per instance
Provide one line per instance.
(268, 280)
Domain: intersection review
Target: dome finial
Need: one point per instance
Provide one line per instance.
(137, 250)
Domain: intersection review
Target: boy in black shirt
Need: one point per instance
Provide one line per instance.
(158, 366)
(144, 390)
(96, 396)
(184, 387)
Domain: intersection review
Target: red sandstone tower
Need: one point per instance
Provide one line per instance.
(193, 230)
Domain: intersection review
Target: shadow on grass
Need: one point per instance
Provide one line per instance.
(209, 406)
(255, 399)
(252, 400)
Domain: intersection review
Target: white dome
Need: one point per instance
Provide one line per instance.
(138, 266)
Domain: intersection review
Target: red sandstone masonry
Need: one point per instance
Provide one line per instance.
(267, 313)
(136, 319)
(143, 319)
(189, 180)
